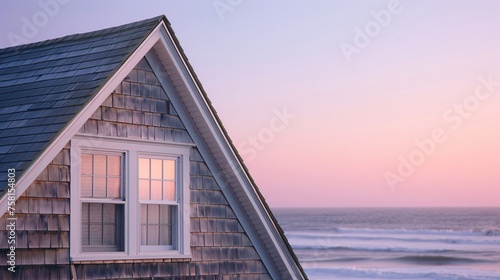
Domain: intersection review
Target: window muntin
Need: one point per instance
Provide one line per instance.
(102, 202)
(101, 176)
(102, 227)
(156, 225)
(157, 179)
(157, 196)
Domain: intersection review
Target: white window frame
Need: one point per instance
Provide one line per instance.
(132, 150)
(174, 203)
(113, 201)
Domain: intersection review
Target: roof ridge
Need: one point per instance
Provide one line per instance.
(81, 36)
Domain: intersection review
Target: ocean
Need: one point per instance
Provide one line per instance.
(395, 243)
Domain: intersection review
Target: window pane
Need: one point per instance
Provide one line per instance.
(119, 227)
(100, 164)
(95, 224)
(104, 179)
(144, 235)
(95, 213)
(85, 212)
(96, 234)
(144, 189)
(169, 169)
(156, 190)
(109, 235)
(85, 224)
(85, 234)
(153, 235)
(108, 214)
(86, 164)
(144, 168)
(156, 225)
(165, 215)
(104, 227)
(153, 214)
(86, 186)
(149, 227)
(113, 187)
(99, 187)
(144, 214)
(114, 165)
(168, 190)
(165, 235)
(144, 224)
(165, 225)
(156, 168)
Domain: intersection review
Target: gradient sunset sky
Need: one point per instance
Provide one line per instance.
(331, 103)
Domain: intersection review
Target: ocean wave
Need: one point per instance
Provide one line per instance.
(332, 247)
(438, 260)
(446, 232)
(491, 231)
(304, 237)
(322, 259)
(433, 260)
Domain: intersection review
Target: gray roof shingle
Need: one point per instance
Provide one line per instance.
(44, 85)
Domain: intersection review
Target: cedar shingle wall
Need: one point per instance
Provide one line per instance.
(220, 248)
(42, 226)
(138, 109)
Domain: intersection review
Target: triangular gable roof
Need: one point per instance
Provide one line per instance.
(49, 89)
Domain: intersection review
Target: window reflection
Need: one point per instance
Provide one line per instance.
(102, 223)
(101, 176)
(157, 191)
(157, 179)
(144, 168)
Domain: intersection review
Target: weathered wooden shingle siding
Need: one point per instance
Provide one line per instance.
(138, 109)
(42, 226)
(220, 248)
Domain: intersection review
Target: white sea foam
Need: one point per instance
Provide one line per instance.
(492, 231)
(483, 238)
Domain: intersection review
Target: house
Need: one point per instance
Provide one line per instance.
(115, 165)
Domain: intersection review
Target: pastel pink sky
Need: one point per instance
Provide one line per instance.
(352, 120)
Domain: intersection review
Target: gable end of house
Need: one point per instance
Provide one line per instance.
(133, 108)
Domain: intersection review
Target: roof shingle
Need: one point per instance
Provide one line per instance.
(43, 85)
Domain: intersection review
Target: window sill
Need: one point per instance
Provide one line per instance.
(124, 258)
